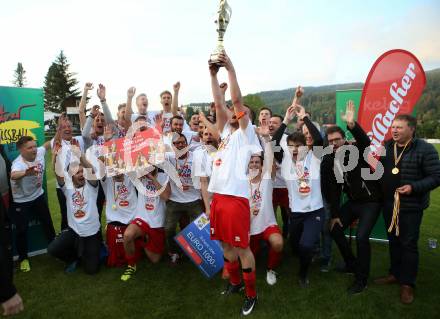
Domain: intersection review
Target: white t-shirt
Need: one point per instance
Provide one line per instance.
(150, 207)
(123, 208)
(231, 161)
(82, 213)
(185, 171)
(300, 202)
(202, 162)
(28, 188)
(261, 198)
(65, 155)
(279, 180)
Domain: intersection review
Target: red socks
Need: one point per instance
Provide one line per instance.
(131, 260)
(233, 268)
(274, 259)
(250, 282)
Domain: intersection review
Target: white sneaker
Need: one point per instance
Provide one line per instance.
(271, 277)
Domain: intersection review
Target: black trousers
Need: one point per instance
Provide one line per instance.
(404, 252)
(69, 247)
(100, 200)
(63, 208)
(7, 288)
(367, 213)
(20, 213)
(305, 229)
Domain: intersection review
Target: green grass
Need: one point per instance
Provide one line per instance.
(162, 291)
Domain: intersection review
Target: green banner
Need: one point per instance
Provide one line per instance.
(342, 97)
(22, 113)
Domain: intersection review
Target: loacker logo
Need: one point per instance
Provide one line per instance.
(382, 123)
(393, 86)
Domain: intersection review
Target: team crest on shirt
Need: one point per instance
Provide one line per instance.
(122, 191)
(237, 239)
(78, 200)
(218, 162)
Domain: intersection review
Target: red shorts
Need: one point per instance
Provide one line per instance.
(280, 197)
(230, 220)
(115, 245)
(155, 241)
(255, 239)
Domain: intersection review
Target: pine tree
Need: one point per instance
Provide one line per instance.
(59, 84)
(19, 76)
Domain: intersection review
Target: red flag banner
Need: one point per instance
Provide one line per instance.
(139, 151)
(394, 85)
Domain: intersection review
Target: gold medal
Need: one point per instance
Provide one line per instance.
(114, 206)
(397, 159)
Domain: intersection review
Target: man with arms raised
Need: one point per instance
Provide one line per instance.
(230, 218)
(82, 239)
(184, 200)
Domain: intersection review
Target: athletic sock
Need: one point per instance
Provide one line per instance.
(274, 259)
(131, 260)
(249, 278)
(233, 268)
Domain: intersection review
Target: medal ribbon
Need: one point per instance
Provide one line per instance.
(396, 210)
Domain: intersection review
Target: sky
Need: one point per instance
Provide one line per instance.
(273, 44)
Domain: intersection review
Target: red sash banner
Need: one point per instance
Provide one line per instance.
(394, 85)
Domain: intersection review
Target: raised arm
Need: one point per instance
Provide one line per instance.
(236, 98)
(362, 140)
(101, 92)
(219, 100)
(278, 152)
(128, 108)
(58, 167)
(212, 128)
(175, 102)
(86, 164)
(82, 104)
(313, 130)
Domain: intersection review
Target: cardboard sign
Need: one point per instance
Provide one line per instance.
(195, 241)
(128, 154)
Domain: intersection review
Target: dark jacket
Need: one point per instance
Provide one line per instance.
(420, 168)
(7, 289)
(356, 188)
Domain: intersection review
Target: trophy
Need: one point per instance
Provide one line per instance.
(223, 17)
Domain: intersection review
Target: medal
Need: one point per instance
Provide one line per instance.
(114, 206)
(397, 159)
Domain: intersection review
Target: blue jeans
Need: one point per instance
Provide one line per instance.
(326, 238)
(305, 229)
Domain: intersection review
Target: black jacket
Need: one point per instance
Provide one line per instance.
(356, 188)
(7, 289)
(420, 168)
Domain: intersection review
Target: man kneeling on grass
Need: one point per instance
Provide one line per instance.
(81, 240)
(147, 229)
